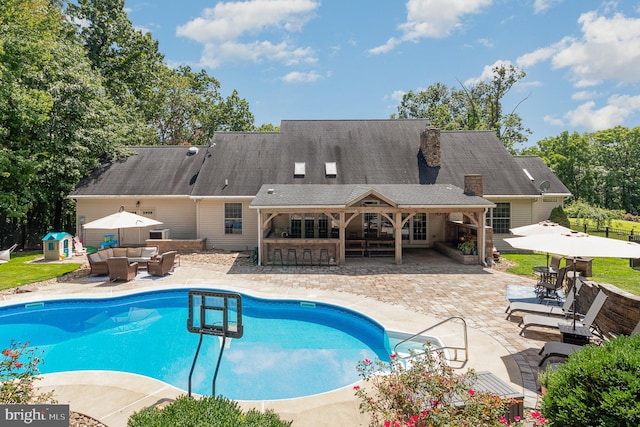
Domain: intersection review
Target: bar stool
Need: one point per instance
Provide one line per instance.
(324, 253)
(277, 252)
(291, 252)
(306, 252)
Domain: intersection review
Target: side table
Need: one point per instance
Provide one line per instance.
(581, 335)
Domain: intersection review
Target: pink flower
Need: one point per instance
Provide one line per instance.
(18, 365)
(535, 414)
(414, 418)
(517, 418)
(6, 352)
(503, 420)
(387, 423)
(541, 420)
(356, 387)
(424, 414)
(472, 393)
(367, 361)
(393, 357)
(396, 423)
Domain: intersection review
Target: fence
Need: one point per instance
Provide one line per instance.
(611, 232)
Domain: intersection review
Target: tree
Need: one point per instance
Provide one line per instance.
(476, 107)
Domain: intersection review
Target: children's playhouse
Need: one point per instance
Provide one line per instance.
(57, 245)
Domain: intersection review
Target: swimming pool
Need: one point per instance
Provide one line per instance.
(289, 348)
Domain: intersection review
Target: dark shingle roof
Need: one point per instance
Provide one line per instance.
(540, 172)
(371, 152)
(310, 195)
(151, 170)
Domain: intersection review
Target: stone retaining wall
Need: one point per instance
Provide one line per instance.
(620, 313)
(181, 246)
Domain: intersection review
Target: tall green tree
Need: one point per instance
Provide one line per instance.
(478, 107)
(56, 122)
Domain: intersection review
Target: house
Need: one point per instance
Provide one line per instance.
(57, 245)
(325, 190)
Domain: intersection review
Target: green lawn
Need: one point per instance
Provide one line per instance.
(606, 270)
(18, 271)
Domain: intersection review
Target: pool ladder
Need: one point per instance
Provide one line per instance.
(455, 350)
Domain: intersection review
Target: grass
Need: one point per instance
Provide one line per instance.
(614, 271)
(20, 271)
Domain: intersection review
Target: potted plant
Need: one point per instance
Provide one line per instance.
(543, 378)
(467, 247)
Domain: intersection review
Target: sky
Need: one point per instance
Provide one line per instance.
(354, 59)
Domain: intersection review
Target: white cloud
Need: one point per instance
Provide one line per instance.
(553, 121)
(487, 73)
(618, 108)
(432, 19)
(214, 55)
(300, 77)
(608, 50)
(542, 5)
(395, 96)
(583, 95)
(229, 31)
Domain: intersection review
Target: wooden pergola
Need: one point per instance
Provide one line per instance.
(342, 204)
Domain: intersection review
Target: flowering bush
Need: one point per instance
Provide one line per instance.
(425, 391)
(18, 370)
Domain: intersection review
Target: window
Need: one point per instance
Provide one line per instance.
(309, 226)
(420, 226)
(233, 218)
(500, 218)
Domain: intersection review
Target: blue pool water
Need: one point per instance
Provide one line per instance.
(289, 348)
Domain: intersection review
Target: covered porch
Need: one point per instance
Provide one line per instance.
(326, 224)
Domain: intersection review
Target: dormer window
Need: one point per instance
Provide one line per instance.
(299, 170)
(330, 169)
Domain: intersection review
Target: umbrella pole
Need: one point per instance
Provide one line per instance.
(574, 292)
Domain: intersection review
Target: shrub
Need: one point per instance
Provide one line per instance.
(597, 386)
(427, 392)
(18, 371)
(208, 411)
(558, 216)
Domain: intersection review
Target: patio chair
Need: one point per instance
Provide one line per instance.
(78, 247)
(120, 269)
(548, 309)
(161, 265)
(564, 350)
(549, 289)
(555, 322)
(5, 255)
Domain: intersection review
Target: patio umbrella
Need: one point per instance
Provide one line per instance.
(543, 227)
(119, 220)
(576, 244)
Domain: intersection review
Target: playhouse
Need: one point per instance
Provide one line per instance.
(57, 245)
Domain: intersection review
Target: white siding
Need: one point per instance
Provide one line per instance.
(176, 214)
(211, 225)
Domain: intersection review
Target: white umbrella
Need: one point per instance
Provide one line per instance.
(544, 227)
(121, 219)
(576, 244)
(540, 228)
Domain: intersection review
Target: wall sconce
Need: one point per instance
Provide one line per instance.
(138, 204)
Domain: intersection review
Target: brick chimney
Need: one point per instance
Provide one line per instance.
(430, 146)
(473, 185)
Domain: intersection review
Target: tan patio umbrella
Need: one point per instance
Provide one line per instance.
(576, 244)
(119, 220)
(543, 227)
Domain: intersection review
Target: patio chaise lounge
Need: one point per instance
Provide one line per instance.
(564, 350)
(555, 322)
(548, 309)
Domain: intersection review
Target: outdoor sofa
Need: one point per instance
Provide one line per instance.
(141, 255)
